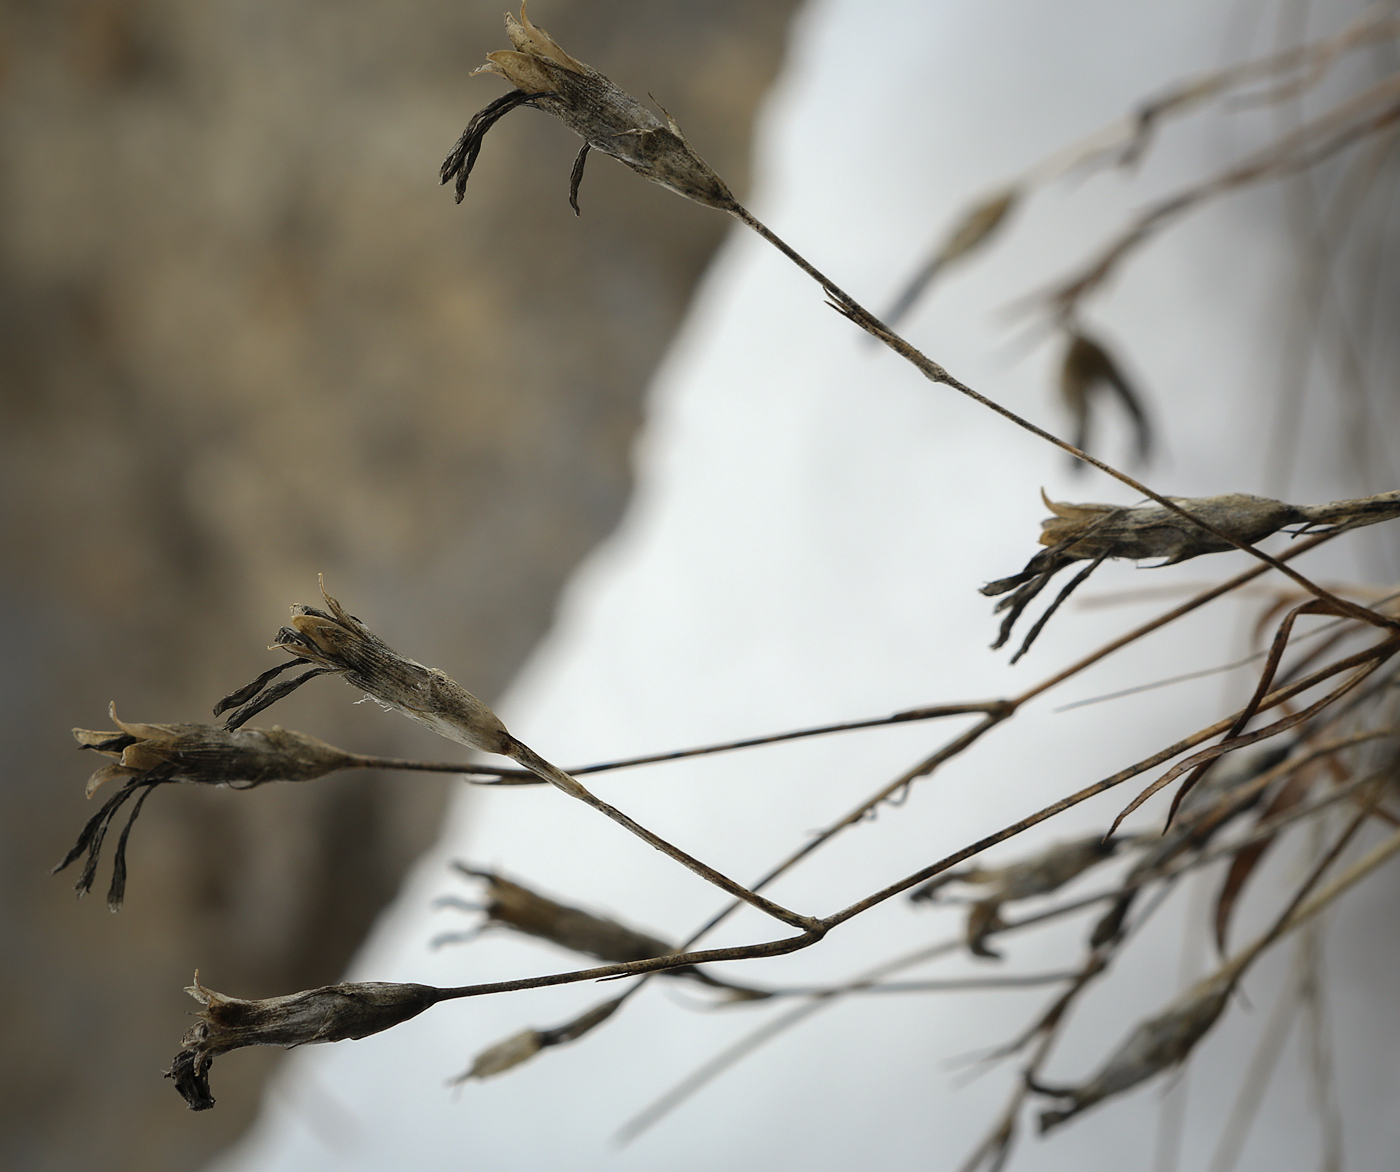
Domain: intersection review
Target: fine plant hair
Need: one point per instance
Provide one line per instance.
(1315, 747)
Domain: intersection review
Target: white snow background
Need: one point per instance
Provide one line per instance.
(811, 523)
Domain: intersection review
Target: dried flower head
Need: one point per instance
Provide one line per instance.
(1155, 1045)
(1097, 532)
(333, 1013)
(514, 906)
(335, 642)
(607, 118)
(148, 755)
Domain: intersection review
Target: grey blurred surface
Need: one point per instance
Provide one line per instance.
(245, 337)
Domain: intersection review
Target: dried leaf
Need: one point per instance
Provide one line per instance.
(1087, 370)
(1243, 865)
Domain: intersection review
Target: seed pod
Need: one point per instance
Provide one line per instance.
(204, 754)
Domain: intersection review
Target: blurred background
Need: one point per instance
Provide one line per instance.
(245, 337)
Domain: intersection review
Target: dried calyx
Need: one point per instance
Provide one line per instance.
(607, 118)
(333, 1013)
(148, 755)
(1097, 532)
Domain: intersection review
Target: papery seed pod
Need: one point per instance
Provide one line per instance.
(1155, 1045)
(337, 643)
(502, 1056)
(525, 911)
(526, 1044)
(607, 118)
(332, 1013)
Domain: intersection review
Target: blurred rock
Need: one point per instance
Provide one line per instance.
(245, 337)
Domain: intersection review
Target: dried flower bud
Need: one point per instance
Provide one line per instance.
(205, 754)
(1086, 370)
(526, 1044)
(1096, 532)
(333, 1013)
(607, 118)
(514, 906)
(338, 643)
(977, 226)
(1040, 874)
(148, 755)
(1155, 1045)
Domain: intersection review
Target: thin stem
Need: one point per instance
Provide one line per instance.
(524, 777)
(936, 373)
(562, 781)
(1090, 791)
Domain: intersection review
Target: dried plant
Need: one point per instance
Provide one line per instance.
(1319, 734)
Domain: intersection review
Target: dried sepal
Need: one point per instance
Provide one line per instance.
(332, 1013)
(1043, 873)
(1155, 1045)
(607, 118)
(1087, 370)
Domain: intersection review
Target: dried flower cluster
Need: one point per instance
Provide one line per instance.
(1320, 733)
